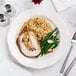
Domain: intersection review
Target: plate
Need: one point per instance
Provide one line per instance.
(49, 59)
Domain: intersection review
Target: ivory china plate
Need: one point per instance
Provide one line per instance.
(46, 60)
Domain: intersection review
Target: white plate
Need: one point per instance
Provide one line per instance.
(48, 59)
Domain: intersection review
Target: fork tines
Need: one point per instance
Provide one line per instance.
(74, 37)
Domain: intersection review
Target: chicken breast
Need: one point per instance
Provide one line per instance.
(29, 53)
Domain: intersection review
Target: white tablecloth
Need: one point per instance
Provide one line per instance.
(69, 16)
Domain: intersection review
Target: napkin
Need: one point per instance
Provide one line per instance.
(8, 68)
(61, 5)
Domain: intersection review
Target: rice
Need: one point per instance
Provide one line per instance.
(39, 26)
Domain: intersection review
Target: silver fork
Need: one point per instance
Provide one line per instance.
(73, 41)
(70, 67)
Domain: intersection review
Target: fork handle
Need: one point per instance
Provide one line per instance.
(66, 59)
(70, 67)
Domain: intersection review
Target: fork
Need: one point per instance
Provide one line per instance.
(70, 67)
(73, 41)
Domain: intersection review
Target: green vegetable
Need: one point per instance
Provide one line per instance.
(45, 46)
(48, 37)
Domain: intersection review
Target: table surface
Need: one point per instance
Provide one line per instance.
(68, 15)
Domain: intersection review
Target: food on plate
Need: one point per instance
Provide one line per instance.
(33, 44)
(50, 42)
(37, 38)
